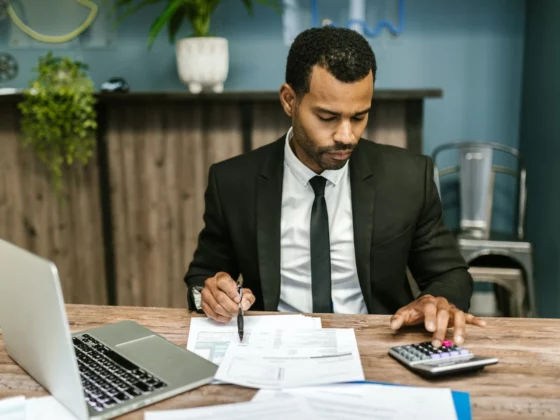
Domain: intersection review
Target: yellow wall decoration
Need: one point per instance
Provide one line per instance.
(56, 39)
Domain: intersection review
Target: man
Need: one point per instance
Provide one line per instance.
(322, 220)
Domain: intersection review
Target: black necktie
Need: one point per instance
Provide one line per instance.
(320, 249)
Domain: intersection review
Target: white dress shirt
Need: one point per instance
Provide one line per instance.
(295, 256)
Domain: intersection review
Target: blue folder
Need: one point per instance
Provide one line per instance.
(461, 400)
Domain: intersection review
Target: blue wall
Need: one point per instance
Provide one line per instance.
(541, 147)
(471, 49)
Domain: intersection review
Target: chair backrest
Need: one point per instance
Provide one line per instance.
(476, 182)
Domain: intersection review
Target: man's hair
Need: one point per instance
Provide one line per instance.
(344, 53)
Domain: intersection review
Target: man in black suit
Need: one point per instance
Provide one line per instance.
(324, 221)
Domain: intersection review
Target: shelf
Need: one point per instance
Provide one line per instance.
(236, 96)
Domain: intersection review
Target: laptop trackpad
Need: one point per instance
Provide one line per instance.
(163, 358)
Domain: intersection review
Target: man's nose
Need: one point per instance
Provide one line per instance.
(344, 133)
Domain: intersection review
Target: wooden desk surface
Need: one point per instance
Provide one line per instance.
(524, 385)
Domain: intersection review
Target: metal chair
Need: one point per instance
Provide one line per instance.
(475, 238)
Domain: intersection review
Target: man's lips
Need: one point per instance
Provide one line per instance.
(340, 155)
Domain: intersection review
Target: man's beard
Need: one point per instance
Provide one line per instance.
(316, 153)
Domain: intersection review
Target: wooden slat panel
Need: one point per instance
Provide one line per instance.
(270, 122)
(222, 132)
(387, 123)
(65, 229)
(193, 180)
(10, 203)
(170, 224)
(159, 161)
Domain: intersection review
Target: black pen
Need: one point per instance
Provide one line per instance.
(240, 313)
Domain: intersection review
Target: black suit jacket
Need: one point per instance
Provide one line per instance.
(397, 217)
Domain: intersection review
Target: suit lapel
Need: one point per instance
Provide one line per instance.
(269, 211)
(363, 193)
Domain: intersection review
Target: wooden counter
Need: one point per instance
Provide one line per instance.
(127, 226)
(525, 384)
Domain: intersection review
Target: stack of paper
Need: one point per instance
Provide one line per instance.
(277, 351)
(291, 358)
(211, 339)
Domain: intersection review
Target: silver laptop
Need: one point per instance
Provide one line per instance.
(99, 373)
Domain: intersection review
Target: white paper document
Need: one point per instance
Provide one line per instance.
(211, 339)
(268, 409)
(371, 401)
(291, 358)
(12, 408)
(46, 408)
(40, 408)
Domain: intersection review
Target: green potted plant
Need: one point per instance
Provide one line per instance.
(202, 59)
(58, 114)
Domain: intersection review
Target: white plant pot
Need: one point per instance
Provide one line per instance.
(203, 63)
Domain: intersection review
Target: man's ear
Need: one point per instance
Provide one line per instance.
(288, 99)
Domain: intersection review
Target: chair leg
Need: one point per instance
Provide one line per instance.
(517, 299)
(527, 262)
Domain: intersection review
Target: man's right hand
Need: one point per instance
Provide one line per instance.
(220, 298)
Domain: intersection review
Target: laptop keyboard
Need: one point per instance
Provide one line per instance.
(108, 378)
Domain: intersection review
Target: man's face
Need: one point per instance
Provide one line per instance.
(329, 120)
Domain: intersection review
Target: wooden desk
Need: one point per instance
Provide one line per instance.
(524, 385)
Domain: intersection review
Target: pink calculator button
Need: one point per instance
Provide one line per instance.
(447, 343)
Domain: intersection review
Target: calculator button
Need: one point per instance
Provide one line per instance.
(435, 356)
(462, 352)
(444, 355)
(454, 353)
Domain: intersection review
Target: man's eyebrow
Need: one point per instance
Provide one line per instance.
(336, 114)
(365, 111)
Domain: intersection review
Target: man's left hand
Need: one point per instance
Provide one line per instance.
(437, 314)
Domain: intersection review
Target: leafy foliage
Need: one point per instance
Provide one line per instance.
(58, 114)
(197, 12)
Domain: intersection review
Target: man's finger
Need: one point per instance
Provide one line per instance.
(441, 327)
(225, 302)
(213, 315)
(473, 320)
(227, 285)
(398, 319)
(209, 298)
(430, 313)
(458, 327)
(248, 299)
(397, 322)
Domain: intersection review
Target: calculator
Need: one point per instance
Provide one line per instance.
(429, 361)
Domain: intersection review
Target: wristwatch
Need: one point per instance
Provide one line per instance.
(196, 299)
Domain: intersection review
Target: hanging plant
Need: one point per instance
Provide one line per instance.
(58, 115)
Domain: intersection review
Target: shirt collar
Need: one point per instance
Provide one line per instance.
(302, 173)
